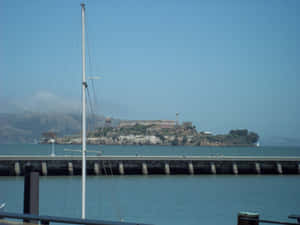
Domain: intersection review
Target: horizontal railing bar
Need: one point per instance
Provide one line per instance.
(153, 158)
(267, 221)
(294, 216)
(62, 219)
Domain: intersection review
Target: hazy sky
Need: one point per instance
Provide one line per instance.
(221, 64)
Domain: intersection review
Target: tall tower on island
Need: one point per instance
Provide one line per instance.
(177, 119)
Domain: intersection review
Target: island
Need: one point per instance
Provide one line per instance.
(156, 132)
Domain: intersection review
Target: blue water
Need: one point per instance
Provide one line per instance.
(164, 200)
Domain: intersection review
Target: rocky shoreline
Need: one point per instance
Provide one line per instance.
(147, 140)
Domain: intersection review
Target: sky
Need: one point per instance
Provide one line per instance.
(221, 64)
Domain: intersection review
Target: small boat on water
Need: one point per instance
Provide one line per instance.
(257, 144)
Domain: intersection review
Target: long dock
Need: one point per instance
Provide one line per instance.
(148, 165)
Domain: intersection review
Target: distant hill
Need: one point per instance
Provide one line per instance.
(28, 126)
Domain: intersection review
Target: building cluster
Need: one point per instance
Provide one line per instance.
(154, 123)
(156, 132)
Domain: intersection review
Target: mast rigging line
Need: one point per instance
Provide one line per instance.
(115, 202)
(92, 101)
(114, 199)
(90, 66)
(92, 111)
(85, 90)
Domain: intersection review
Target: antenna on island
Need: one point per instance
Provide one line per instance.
(177, 116)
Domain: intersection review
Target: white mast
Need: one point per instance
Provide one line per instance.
(84, 86)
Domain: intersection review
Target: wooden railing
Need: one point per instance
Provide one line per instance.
(246, 218)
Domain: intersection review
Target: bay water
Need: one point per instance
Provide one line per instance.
(161, 199)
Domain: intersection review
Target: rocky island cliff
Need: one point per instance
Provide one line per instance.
(157, 132)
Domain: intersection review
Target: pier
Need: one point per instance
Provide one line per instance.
(69, 165)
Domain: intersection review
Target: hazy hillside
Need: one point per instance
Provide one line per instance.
(28, 126)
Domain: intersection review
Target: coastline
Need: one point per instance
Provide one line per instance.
(156, 133)
(76, 141)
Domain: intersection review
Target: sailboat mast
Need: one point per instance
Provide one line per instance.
(84, 86)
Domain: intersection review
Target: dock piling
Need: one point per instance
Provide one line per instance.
(235, 169)
(167, 169)
(121, 168)
(257, 168)
(31, 193)
(17, 169)
(191, 168)
(44, 169)
(70, 168)
(279, 168)
(213, 168)
(96, 168)
(144, 169)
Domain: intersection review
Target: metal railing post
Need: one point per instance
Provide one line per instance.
(45, 222)
(31, 193)
(243, 216)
